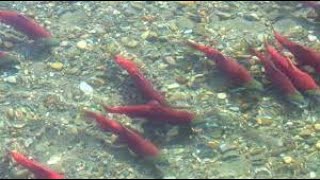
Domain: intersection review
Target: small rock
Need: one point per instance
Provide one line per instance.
(7, 44)
(149, 35)
(235, 109)
(185, 23)
(224, 15)
(226, 147)
(188, 31)
(313, 174)
(181, 80)
(287, 160)
(318, 145)
(170, 60)
(251, 17)
(11, 79)
(64, 43)
(82, 44)
(173, 86)
(58, 66)
(305, 133)
(54, 159)
(86, 88)
(221, 95)
(131, 43)
(264, 121)
(186, 3)
(214, 144)
(10, 113)
(312, 37)
(316, 127)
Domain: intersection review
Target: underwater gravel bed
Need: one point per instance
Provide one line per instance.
(245, 135)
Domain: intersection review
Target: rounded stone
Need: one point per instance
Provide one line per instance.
(56, 66)
(82, 44)
(222, 95)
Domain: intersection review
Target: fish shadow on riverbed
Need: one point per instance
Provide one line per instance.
(34, 51)
(122, 153)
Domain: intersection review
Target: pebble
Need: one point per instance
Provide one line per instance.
(316, 127)
(85, 88)
(226, 147)
(312, 37)
(170, 60)
(287, 159)
(11, 79)
(252, 17)
(214, 144)
(224, 15)
(56, 66)
(7, 44)
(54, 159)
(264, 121)
(221, 95)
(128, 42)
(82, 44)
(318, 145)
(64, 43)
(305, 133)
(313, 174)
(173, 86)
(10, 113)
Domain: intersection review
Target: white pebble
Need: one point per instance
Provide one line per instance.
(54, 160)
(313, 174)
(64, 43)
(173, 86)
(11, 79)
(222, 95)
(312, 37)
(82, 44)
(86, 88)
(188, 31)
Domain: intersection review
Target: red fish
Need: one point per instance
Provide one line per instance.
(141, 82)
(279, 79)
(24, 24)
(301, 80)
(304, 55)
(237, 73)
(139, 145)
(154, 112)
(105, 123)
(39, 171)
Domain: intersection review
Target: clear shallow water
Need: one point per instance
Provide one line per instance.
(246, 135)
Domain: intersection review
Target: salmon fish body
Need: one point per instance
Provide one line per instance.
(301, 80)
(136, 143)
(280, 80)
(236, 72)
(24, 24)
(40, 171)
(147, 89)
(303, 54)
(154, 112)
